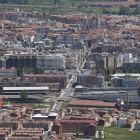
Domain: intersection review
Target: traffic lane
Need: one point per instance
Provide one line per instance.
(59, 105)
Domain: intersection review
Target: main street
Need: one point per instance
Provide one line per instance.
(66, 93)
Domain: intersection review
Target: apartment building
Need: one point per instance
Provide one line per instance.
(12, 124)
(128, 65)
(2, 63)
(24, 60)
(42, 29)
(38, 124)
(4, 100)
(71, 61)
(100, 61)
(51, 61)
(73, 126)
(112, 61)
(90, 80)
(18, 82)
(8, 72)
(43, 78)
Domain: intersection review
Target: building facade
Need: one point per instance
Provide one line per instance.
(8, 72)
(73, 126)
(94, 23)
(43, 78)
(23, 60)
(51, 61)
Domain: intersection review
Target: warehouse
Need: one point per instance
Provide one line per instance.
(30, 90)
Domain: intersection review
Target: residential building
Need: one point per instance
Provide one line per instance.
(2, 63)
(17, 82)
(51, 61)
(24, 60)
(12, 124)
(43, 78)
(73, 126)
(12, 72)
(111, 62)
(100, 61)
(71, 61)
(90, 80)
(38, 124)
(127, 65)
(100, 80)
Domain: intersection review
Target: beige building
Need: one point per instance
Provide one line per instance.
(108, 118)
(71, 61)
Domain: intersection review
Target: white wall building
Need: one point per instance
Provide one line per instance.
(51, 61)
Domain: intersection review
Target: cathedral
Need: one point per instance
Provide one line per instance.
(94, 23)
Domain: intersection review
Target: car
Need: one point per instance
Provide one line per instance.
(49, 133)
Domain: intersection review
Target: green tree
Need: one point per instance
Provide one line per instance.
(1, 89)
(73, 4)
(114, 71)
(108, 71)
(138, 91)
(124, 70)
(122, 10)
(24, 95)
(41, 138)
(61, 69)
(77, 134)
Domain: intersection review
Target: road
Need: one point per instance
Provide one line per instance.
(66, 93)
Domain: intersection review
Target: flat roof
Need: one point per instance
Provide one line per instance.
(25, 88)
(53, 114)
(39, 115)
(124, 74)
(18, 96)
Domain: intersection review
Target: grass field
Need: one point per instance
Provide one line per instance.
(117, 133)
(61, 9)
(38, 105)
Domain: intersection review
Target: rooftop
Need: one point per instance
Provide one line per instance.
(91, 103)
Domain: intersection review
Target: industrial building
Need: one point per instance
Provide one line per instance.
(30, 90)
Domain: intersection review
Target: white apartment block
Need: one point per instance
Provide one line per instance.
(51, 61)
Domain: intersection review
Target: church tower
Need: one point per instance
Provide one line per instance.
(97, 22)
(84, 23)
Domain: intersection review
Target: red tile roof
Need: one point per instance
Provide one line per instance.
(91, 103)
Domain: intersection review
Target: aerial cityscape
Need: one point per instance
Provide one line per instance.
(69, 69)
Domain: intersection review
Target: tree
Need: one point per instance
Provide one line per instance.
(77, 134)
(73, 4)
(24, 95)
(114, 71)
(138, 91)
(1, 89)
(123, 10)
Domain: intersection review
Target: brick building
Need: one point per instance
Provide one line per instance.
(43, 78)
(4, 100)
(19, 60)
(18, 82)
(73, 126)
(12, 124)
(37, 124)
(90, 80)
